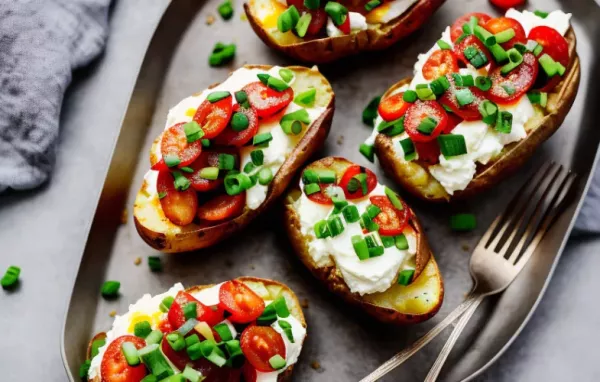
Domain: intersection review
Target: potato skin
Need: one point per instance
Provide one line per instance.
(296, 311)
(174, 239)
(328, 49)
(418, 181)
(332, 277)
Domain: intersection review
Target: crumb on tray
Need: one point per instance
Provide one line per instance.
(112, 313)
(315, 365)
(137, 261)
(210, 19)
(304, 303)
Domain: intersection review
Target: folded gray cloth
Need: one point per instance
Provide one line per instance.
(41, 43)
(588, 221)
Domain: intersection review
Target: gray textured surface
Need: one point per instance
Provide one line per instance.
(44, 232)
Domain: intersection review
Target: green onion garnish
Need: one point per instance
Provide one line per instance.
(368, 151)
(394, 198)
(499, 53)
(325, 176)
(217, 96)
(84, 369)
(193, 339)
(488, 111)
(249, 168)
(538, 50)
(187, 169)
(260, 139)
(391, 128)
(312, 4)
(338, 204)
(360, 247)
(287, 329)
(515, 58)
(194, 351)
(443, 45)
(428, 124)
(350, 214)
(239, 121)
(372, 5)
(224, 332)
(236, 356)
(321, 229)
(540, 98)
(367, 223)
(376, 251)
(265, 176)
(475, 56)
(298, 115)
(425, 93)
(171, 160)
(205, 143)
(372, 211)
(165, 304)
(504, 122)
(288, 19)
(467, 80)
(358, 181)
(226, 162)
(277, 362)
(181, 183)
(191, 374)
(485, 36)
(131, 353)
(505, 36)
(277, 84)
(306, 98)
(110, 288)
(436, 87)
(142, 329)
(541, 14)
(452, 145)
(310, 176)
(409, 96)
(225, 10)
(370, 112)
(286, 74)
(401, 242)
(387, 241)
(551, 67)
(464, 97)
(508, 88)
(192, 131)
(281, 307)
(405, 277)
(176, 340)
(155, 361)
(303, 24)
(11, 277)
(96, 345)
(408, 148)
(236, 183)
(257, 157)
(209, 173)
(337, 12)
(263, 77)
(242, 98)
(154, 263)
(222, 54)
(311, 188)
(483, 83)
(189, 310)
(335, 225)
(154, 337)
(291, 127)
(463, 222)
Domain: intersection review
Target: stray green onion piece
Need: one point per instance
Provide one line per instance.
(96, 345)
(131, 353)
(142, 329)
(463, 222)
(425, 93)
(310, 176)
(306, 98)
(226, 10)
(190, 310)
(11, 277)
(110, 289)
(242, 98)
(405, 277)
(372, 5)
(392, 128)
(541, 14)
(485, 36)
(287, 329)
(222, 54)
(368, 151)
(187, 169)
(154, 263)
(369, 114)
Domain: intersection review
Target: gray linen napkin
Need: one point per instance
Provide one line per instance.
(41, 43)
(588, 221)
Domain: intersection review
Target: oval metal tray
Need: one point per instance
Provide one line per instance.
(343, 345)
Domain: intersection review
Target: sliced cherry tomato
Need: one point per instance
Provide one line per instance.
(440, 63)
(165, 326)
(506, 4)
(317, 22)
(239, 300)
(178, 206)
(391, 220)
(393, 107)
(230, 137)
(456, 30)
(350, 173)
(203, 313)
(207, 159)
(345, 26)
(174, 142)
(519, 81)
(557, 47)
(222, 207)
(500, 24)
(299, 4)
(419, 111)
(429, 152)
(114, 366)
(468, 112)
(249, 372)
(214, 117)
(470, 40)
(259, 344)
(267, 101)
(321, 197)
(453, 121)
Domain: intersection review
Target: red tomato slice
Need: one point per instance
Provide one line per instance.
(114, 366)
(468, 112)
(239, 300)
(165, 326)
(419, 111)
(178, 206)
(230, 137)
(506, 4)
(557, 47)
(456, 30)
(520, 79)
(214, 117)
(393, 107)
(174, 142)
(500, 24)
(441, 62)
(207, 159)
(391, 221)
(317, 22)
(249, 372)
(259, 344)
(459, 49)
(429, 152)
(345, 26)
(203, 313)
(350, 173)
(453, 121)
(222, 207)
(267, 101)
(210, 371)
(321, 197)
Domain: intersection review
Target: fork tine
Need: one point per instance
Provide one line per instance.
(518, 204)
(551, 212)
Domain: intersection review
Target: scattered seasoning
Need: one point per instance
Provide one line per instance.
(124, 216)
(137, 261)
(210, 19)
(340, 140)
(243, 17)
(315, 365)
(304, 303)
(112, 313)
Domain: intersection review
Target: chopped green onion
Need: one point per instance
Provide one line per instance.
(499, 53)
(225, 10)
(452, 145)
(241, 97)
(464, 97)
(325, 176)
(217, 96)
(277, 84)
(463, 222)
(154, 263)
(391, 128)
(338, 204)
(368, 224)
(263, 77)
(239, 121)
(277, 362)
(194, 351)
(443, 45)
(508, 88)
(460, 38)
(291, 127)
(376, 250)
(372, 5)
(350, 214)
(257, 157)
(205, 143)
(551, 67)
(142, 329)
(210, 173)
(84, 369)
(265, 175)
(226, 162)
(504, 122)
(321, 229)
(149, 378)
(538, 50)
(360, 247)
(368, 151)
(212, 353)
(505, 36)
(155, 361)
(337, 12)
(409, 96)
(236, 183)
(488, 111)
(190, 340)
(236, 356)
(110, 289)
(191, 374)
(358, 181)
(165, 304)
(541, 14)
(298, 115)
(537, 97)
(286, 74)
(263, 138)
(530, 46)
(520, 47)
(288, 19)
(401, 242)
(405, 276)
(306, 98)
(372, 210)
(311, 188)
(485, 36)
(249, 168)
(483, 83)
(187, 326)
(436, 87)
(269, 315)
(287, 329)
(131, 353)
(162, 195)
(222, 54)
(369, 114)
(175, 339)
(428, 124)
(475, 56)
(181, 183)
(281, 307)
(303, 24)
(154, 337)
(394, 198)
(189, 310)
(469, 27)
(187, 169)
(310, 176)
(11, 277)
(467, 80)
(335, 225)
(408, 148)
(425, 93)
(442, 80)
(193, 132)
(515, 59)
(387, 241)
(312, 4)
(171, 160)
(96, 345)
(223, 331)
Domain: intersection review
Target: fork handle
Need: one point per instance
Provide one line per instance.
(405, 354)
(460, 326)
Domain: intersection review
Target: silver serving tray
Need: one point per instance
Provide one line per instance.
(346, 344)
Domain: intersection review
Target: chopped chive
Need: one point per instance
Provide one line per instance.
(193, 131)
(110, 289)
(287, 329)
(162, 195)
(425, 93)
(368, 151)
(467, 80)
(209, 173)
(388, 241)
(306, 98)
(303, 24)
(154, 263)
(443, 45)
(350, 213)
(236, 183)
(11, 277)
(154, 337)
(175, 339)
(286, 74)
(321, 229)
(505, 35)
(409, 96)
(189, 310)
(224, 332)
(217, 96)
(263, 77)
(291, 127)
(309, 176)
(405, 276)
(277, 84)
(311, 188)
(483, 83)
(360, 247)
(452, 145)
(401, 242)
(222, 54)
(181, 183)
(226, 10)
(334, 223)
(463, 222)
(504, 122)
(499, 53)
(464, 97)
(428, 124)
(488, 111)
(142, 329)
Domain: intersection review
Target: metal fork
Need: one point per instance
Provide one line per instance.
(500, 255)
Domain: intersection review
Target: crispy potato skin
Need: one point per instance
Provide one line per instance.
(331, 275)
(295, 310)
(173, 239)
(416, 178)
(328, 49)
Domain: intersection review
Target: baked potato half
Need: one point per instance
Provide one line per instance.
(161, 233)
(379, 32)
(268, 290)
(415, 175)
(417, 300)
